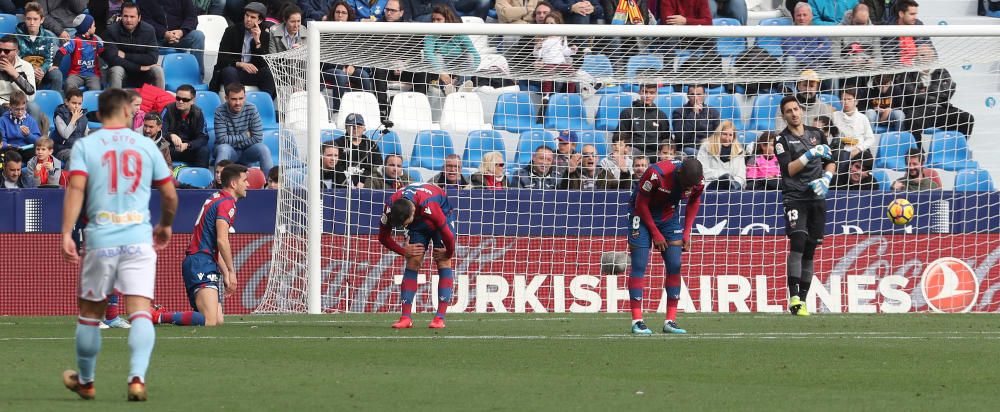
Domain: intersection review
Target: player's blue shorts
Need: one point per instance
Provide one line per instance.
(423, 235)
(200, 271)
(638, 234)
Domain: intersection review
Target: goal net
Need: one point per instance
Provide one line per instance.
(538, 133)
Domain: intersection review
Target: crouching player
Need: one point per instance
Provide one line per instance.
(654, 220)
(422, 209)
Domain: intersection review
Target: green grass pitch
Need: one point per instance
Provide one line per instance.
(525, 362)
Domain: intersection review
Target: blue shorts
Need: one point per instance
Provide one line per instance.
(424, 236)
(638, 234)
(200, 271)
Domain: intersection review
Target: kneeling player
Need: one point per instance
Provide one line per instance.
(422, 209)
(654, 220)
(201, 269)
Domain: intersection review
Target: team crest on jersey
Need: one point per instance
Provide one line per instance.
(812, 140)
(635, 234)
(384, 220)
(779, 148)
(232, 212)
(647, 185)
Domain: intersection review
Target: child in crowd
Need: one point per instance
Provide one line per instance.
(763, 173)
(71, 124)
(44, 168)
(18, 128)
(83, 50)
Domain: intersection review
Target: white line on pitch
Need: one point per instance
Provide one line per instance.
(526, 337)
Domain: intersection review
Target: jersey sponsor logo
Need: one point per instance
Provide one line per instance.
(713, 230)
(779, 148)
(111, 218)
(125, 250)
(647, 185)
(949, 285)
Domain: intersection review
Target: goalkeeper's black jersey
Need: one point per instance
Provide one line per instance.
(789, 148)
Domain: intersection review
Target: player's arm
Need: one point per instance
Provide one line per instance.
(225, 253)
(646, 187)
(385, 236)
(72, 204)
(690, 213)
(440, 223)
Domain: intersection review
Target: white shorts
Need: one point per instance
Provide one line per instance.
(129, 269)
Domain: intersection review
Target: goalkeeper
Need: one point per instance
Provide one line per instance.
(806, 169)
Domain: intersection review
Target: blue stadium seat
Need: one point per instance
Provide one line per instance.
(746, 137)
(272, 140)
(765, 111)
(90, 103)
(728, 107)
(773, 44)
(197, 177)
(832, 100)
(529, 141)
(329, 135)
(565, 112)
(729, 46)
(950, 151)
(265, 106)
(208, 101)
(973, 180)
(387, 143)
(430, 149)
(610, 109)
(882, 177)
(182, 68)
(892, 148)
(8, 24)
(413, 174)
(597, 65)
(598, 139)
(48, 101)
(636, 64)
(670, 102)
(481, 142)
(515, 113)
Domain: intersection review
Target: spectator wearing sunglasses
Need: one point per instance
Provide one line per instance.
(184, 128)
(492, 173)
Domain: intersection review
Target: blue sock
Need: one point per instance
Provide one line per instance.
(446, 284)
(640, 260)
(88, 345)
(141, 339)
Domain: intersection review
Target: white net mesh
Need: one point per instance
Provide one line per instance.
(554, 238)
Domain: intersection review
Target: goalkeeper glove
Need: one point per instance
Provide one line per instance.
(822, 185)
(821, 151)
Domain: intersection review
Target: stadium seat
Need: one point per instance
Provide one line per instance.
(882, 177)
(972, 180)
(515, 113)
(892, 148)
(481, 142)
(529, 141)
(413, 174)
(639, 63)
(182, 68)
(410, 111)
(479, 41)
(388, 143)
(257, 178)
(595, 138)
(196, 177)
(90, 103)
(950, 151)
(329, 135)
(208, 101)
(746, 137)
(430, 148)
(565, 111)
(272, 140)
(729, 46)
(8, 24)
(728, 107)
(832, 100)
(772, 45)
(213, 27)
(363, 103)
(48, 101)
(765, 111)
(610, 109)
(670, 102)
(597, 65)
(265, 106)
(463, 113)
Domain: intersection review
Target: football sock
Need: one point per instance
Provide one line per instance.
(189, 318)
(446, 280)
(112, 311)
(806, 280)
(408, 290)
(88, 345)
(673, 291)
(794, 270)
(141, 338)
(637, 280)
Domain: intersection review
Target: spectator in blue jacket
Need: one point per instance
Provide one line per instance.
(175, 23)
(315, 9)
(579, 11)
(830, 12)
(374, 10)
(17, 127)
(38, 46)
(239, 131)
(539, 174)
(131, 51)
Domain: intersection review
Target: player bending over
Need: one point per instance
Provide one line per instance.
(116, 169)
(806, 169)
(654, 220)
(424, 211)
(210, 255)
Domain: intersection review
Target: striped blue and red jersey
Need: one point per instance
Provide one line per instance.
(83, 55)
(221, 206)
(657, 197)
(432, 214)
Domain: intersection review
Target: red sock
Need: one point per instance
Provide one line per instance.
(407, 293)
(636, 285)
(672, 309)
(672, 283)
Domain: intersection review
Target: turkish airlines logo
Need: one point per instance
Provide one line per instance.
(949, 285)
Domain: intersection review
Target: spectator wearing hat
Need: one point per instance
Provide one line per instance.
(694, 121)
(239, 131)
(539, 174)
(565, 152)
(82, 52)
(807, 93)
(240, 53)
(132, 51)
(360, 157)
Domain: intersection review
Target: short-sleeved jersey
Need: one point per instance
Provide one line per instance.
(121, 167)
(658, 183)
(221, 206)
(789, 147)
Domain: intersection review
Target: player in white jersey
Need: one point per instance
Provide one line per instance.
(116, 168)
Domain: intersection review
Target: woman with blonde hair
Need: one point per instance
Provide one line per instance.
(491, 174)
(722, 159)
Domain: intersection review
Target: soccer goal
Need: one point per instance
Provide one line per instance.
(541, 213)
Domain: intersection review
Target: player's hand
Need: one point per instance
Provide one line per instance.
(822, 185)
(660, 243)
(441, 254)
(821, 151)
(230, 282)
(161, 236)
(684, 245)
(69, 249)
(414, 250)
